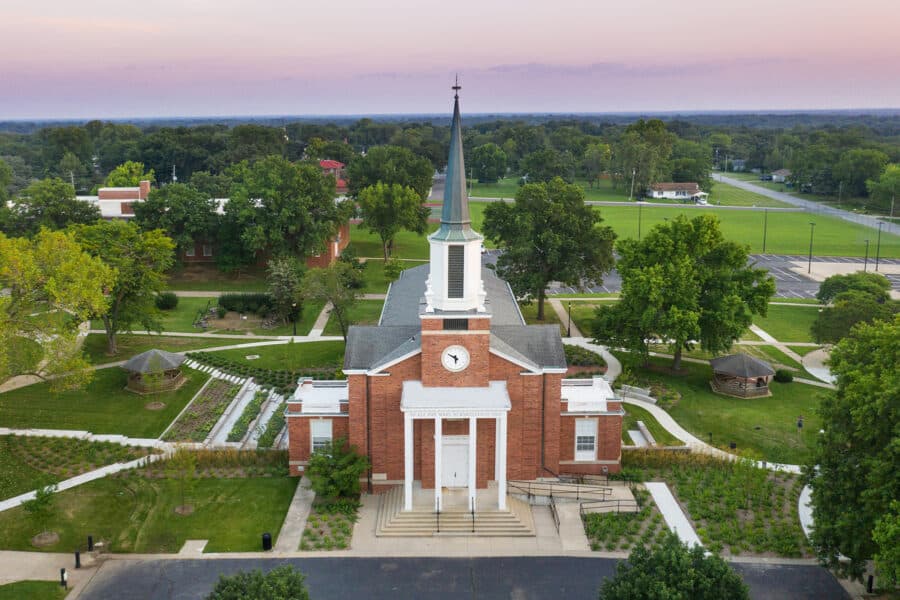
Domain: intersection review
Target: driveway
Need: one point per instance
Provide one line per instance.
(522, 578)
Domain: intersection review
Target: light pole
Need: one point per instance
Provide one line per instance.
(631, 194)
(878, 245)
(765, 227)
(866, 260)
(294, 317)
(569, 326)
(812, 228)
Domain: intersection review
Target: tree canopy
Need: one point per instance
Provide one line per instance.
(854, 466)
(129, 174)
(390, 165)
(53, 286)
(47, 203)
(184, 213)
(684, 283)
(333, 284)
(671, 571)
(386, 209)
(548, 234)
(141, 259)
(284, 277)
(281, 583)
(488, 163)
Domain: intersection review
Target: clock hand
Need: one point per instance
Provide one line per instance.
(454, 357)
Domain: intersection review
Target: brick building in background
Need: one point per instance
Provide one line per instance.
(452, 389)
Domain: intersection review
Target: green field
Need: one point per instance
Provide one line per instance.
(33, 590)
(207, 277)
(103, 406)
(131, 344)
(137, 514)
(365, 312)
(290, 357)
(788, 323)
(766, 427)
(602, 190)
(723, 194)
(529, 312)
(375, 282)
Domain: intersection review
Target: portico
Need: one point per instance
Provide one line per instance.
(470, 403)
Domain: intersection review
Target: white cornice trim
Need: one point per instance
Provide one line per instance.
(455, 332)
(377, 370)
(516, 361)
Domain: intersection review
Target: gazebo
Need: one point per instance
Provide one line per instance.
(741, 375)
(154, 371)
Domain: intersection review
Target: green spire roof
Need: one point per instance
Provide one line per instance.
(456, 224)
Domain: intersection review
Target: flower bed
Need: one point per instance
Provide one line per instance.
(329, 526)
(239, 430)
(226, 463)
(203, 413)
(282, 381)
(273, 428)
(611, 531)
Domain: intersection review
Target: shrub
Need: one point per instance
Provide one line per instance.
(279, 583)
(392, 269)
(582, 357)
(334, 471)
(256, 303)
(783, 376)
(166, 300)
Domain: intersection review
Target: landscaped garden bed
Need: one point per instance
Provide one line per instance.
(30, 462)
(203, 413)
(251, 411)
(582, 362)
(273, 428)
(622, 531)
(735, 507)
(329, 526)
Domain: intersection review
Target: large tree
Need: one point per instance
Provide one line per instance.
(596, 161)
(545, 164)
(684, 283)
(874, 284)
(282, 208)
(835, 321)
(386, 209)
(49, 203)
(548, 234)
(332, 285)
(51, 287)
(184, 213)
(854, 466)
(390, 164)
(857, 166)
(672, 571)
(284, 277)
(884, 189)
(141, 259)
(129, 174)
(6, 178)
(488, 163)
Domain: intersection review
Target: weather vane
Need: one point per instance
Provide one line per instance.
(456, 87)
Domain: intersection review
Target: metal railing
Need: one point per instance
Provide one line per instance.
(581, 491)
(607, 506)
(437, 515)
(555, 513)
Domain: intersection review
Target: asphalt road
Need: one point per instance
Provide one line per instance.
(788, 283)
(520, 578)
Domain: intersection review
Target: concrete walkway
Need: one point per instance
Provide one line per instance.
(295, 519)
(321, 321)
(672, 513)
(814, 363)
(613, 366)
(564, 317)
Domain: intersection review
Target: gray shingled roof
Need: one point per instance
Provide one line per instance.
(741, 365)
(398, 332)
(153, 361)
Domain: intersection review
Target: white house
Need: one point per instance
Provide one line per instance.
(781, 175)
(678, 191)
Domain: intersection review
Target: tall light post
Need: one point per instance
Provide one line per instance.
(294, 317)
(631, 194)
(812, 228)
(866, 259)
(569, 326)
(878, 245)
(765, 227)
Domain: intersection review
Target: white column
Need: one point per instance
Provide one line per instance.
(407, 461)
(438, 448)
(501, 462)
(473, 460)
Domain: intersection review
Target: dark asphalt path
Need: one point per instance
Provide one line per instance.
(520, 578)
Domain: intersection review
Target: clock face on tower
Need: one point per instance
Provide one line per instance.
(455, 358)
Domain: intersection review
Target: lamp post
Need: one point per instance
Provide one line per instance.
(294, 317)
(765, 227)
(878, 245)
(866, 260)
(569, 326)
(631, 194)
(812, 228)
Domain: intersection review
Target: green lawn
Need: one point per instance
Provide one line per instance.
(103, 406)
(137, 514)
(374, 279)
(583, 314)
(788, 323)
(290, 357)
(723, 194)
(803, 350)
(633, 414)
(406, 243)
(32, 590)
(701, 412)
(182, 317)
(529, 312)
(131, 344)
(365, 312)
(207, 277)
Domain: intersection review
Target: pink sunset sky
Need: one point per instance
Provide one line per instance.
(114, 59)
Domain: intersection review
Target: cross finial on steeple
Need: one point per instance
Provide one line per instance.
(456, 87)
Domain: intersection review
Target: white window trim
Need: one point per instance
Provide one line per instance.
(320, 429)
(190, 251)
(207, 250)
(585, 428)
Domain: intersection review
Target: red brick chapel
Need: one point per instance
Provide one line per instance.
(452, 389)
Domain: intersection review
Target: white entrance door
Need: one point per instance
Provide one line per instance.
(455, 461)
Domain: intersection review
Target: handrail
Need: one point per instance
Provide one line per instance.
(560, 490)
(584, 508)
(437, 514)
(555, 513)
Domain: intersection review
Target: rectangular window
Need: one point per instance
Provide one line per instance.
(319, 433)
(586, 439)
(190, 251)
(207, 250)
(455, 271)
(456, 324)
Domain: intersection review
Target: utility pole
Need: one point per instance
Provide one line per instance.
(866, 259)
(631, 195)
(812, 228)
(878, 246)
(765, 227)
(174, 176)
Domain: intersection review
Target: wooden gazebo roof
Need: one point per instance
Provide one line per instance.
(741, 365)
(153, 361)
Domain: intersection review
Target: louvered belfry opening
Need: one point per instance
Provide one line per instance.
(456, 269)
